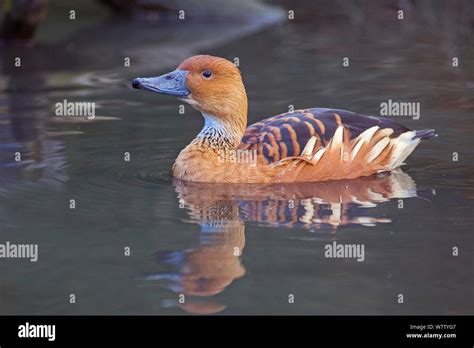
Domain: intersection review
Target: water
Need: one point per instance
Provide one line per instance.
(234, 249)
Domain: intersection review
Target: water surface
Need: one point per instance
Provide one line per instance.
(234, 249)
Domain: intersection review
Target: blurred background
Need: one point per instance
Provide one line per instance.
(183, 237)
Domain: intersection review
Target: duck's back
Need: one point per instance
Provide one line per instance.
(286, 135)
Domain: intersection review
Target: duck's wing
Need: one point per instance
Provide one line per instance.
(287, 134)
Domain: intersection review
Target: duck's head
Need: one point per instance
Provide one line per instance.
(212, 85)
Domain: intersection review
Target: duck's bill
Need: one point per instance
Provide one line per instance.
(173, 83)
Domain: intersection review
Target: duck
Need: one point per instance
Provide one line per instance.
(307, 145)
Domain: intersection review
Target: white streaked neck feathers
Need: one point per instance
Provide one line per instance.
(217, 134)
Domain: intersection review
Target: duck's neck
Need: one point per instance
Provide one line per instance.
(221, 133)
(202, 159)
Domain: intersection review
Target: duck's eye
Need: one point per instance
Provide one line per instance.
(207, 74)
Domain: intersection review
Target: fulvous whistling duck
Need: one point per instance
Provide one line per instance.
(302, 146)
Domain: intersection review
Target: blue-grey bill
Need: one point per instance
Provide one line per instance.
(172, 83)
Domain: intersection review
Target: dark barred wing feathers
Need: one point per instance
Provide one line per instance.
(287, 134)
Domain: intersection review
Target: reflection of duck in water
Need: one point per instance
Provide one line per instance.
(222, 209)
(208, 269)
(302, 146)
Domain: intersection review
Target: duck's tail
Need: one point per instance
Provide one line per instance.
(404, 145)
(425, 134)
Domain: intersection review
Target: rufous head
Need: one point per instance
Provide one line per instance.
(212, 85)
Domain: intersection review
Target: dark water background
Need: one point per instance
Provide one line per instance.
(182, 236)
